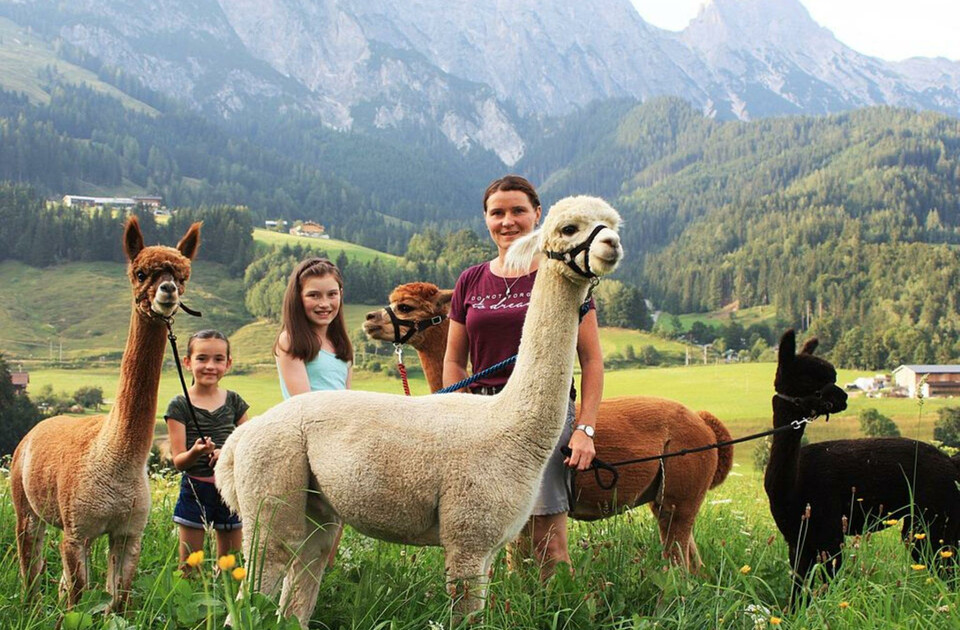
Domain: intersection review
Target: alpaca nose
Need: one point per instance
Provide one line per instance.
(610, 238)
(372, 315)
(168, 287)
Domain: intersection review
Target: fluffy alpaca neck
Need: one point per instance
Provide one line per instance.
(535, 398)
(430, 346)
(128, 430)
(780, 479)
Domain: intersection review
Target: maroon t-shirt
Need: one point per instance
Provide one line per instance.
(492, 309)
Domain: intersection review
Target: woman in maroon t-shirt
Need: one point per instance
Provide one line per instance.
(486, 318)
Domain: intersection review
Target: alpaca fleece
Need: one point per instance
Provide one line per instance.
(629, 427)
(88, 476)
(457, 471)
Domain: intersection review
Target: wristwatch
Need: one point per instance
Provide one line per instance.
(586, 428)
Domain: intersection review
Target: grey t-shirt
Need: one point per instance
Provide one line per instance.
(216, 425)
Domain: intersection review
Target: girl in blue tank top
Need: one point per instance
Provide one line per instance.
(313, 349)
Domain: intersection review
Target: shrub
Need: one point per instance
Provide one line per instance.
(875, 424)
(947, 427)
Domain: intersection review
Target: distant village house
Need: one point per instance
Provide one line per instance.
(311, 229)
(20, 381)
(929, 380)
(153, 202)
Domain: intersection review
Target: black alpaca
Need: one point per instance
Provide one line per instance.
(850, 486)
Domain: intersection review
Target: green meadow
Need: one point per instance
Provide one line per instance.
(331, 246)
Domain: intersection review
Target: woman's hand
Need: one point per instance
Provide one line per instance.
(583, 451)
(214, 456)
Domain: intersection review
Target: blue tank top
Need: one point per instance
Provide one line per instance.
(325, 372)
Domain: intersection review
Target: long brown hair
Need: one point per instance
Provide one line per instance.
(304, 344)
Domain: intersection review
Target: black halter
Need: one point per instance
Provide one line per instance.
(569, 257)
(814, 404)
(414, 326)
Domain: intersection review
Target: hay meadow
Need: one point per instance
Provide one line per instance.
(618, 579)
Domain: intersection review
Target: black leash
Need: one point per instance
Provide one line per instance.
(599, 464)
(176, 359)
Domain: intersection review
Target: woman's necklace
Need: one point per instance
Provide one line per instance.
(508, 285)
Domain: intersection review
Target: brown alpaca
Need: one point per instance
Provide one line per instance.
(88, 476)
(628, 427)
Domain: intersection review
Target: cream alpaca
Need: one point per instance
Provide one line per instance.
(419, 470)
(88, 475)
(629, 427)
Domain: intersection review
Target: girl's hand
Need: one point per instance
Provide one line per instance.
(203, 445)
(214, 456)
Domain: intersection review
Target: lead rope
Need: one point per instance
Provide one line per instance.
(398, 348)
(176, 359)
(597, 465)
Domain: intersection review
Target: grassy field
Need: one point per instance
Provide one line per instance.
(620, 581)
(331, 246)
(43, 315)
(738, 394)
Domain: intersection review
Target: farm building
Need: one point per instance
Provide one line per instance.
(309, 228)
(148, 201)
(20, 381)
(928, 380)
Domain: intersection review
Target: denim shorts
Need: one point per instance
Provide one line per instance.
(200, 505)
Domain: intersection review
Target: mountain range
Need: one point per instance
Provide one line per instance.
(483, 74)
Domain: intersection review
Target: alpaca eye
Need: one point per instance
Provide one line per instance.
(141, 276)
(403, 308)
(569, 230)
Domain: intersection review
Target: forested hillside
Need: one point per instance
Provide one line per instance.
(847, 223)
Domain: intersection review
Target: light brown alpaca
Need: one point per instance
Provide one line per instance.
(88, 476)
(628, 427)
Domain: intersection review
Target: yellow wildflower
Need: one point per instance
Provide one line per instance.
(919, 536)
(775, 621)
(891, 521)
(918, 567)
(844, 604)
(195, 558)
(946, 553)
(239, 573)
(227, 562)
(745, 569)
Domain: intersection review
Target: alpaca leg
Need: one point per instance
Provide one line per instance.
(74, 553)
(30, 534)
(302, 582)
(693, 555)
(467, 580)
(673, 539)
(121, 566)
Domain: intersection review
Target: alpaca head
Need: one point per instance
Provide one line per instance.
(579, 233)
(416, 306)
(158, 274)
(807, 381)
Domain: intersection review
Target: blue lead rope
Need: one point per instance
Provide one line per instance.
(584, 309)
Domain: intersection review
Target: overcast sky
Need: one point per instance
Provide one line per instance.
(889, 29)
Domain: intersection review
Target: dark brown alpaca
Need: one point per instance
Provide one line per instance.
(627, 428)
(825, 491)
(88, 476)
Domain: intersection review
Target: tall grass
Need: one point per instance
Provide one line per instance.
(619, 581)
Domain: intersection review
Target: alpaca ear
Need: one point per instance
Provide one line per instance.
(444, 296)
(190, 242)
(522, 252)
(788, 346)
(132, 238)
(810, 346)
